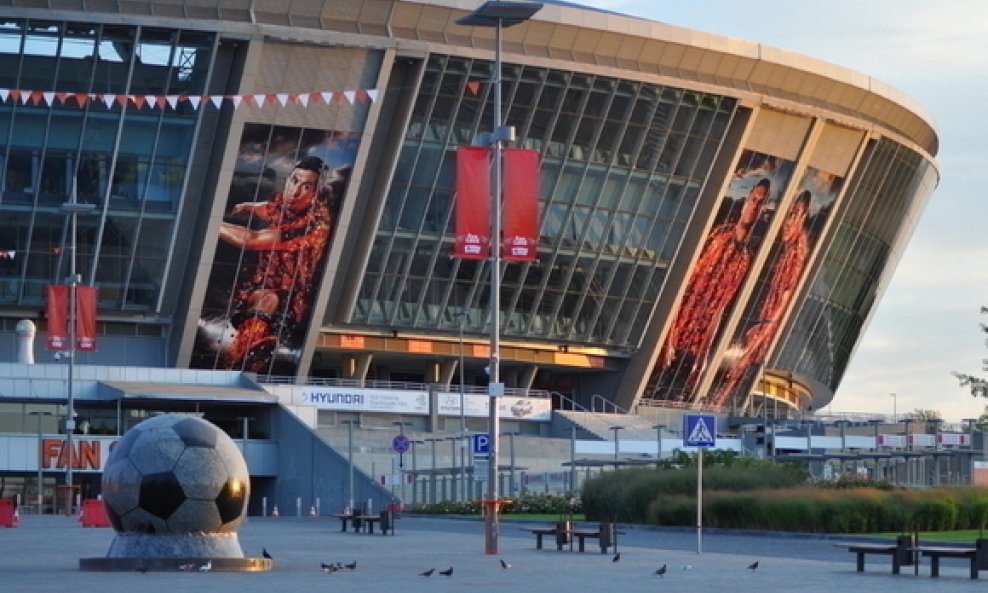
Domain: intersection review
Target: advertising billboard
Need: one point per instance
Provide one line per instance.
(283, 202)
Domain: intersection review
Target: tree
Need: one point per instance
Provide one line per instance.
(931, 417)
(977, 385)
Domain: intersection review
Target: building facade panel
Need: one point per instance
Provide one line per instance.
(176, 120)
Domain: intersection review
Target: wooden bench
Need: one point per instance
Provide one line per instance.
(366, 522)
(565, 531)
(977, 556)
(902, 552)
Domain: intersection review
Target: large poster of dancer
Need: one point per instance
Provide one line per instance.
(806, 217)
(718, 274)
(280, 214)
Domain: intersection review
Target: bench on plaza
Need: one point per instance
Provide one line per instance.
(365, 523)
(976, 555)
(901, 551)
(566, 531)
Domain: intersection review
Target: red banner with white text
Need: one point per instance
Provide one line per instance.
(520, 210)
(473, 221)
(85, 319)
(57, 315)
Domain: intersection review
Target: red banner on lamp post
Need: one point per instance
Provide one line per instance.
(473, 195)
(520, 211)
(57, 314)
(85, 319)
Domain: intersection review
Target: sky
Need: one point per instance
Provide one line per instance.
(935, 51)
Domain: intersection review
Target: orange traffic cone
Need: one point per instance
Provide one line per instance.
(274, 513)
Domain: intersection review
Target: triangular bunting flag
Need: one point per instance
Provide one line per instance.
(350, 96)
(122, 100)
(172, 100)
(303, 99)
(23, 96)
(372, 95)
(237, 100)
(81, 99)
(327, 97)
(216, 101)
(194, 101)
(259, 100)
(62, 97)
(139, 100)
(109, 99)
(49, 97)
(473, 86)
(282, 98)
(4, 93)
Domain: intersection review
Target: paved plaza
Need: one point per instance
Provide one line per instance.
(42, 555)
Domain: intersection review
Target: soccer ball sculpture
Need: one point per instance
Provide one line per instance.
(175, 474)
(176, 486)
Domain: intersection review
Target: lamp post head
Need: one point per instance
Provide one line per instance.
(500, 13)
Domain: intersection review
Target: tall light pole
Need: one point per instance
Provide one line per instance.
(349, 457)
(617, 441)
(41, 454)
(497, 14)
(658, 442)
(895, 402)
(73, 208)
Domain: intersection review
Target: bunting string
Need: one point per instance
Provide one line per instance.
(53, 98)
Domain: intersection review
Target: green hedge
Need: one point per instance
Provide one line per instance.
(773, 499)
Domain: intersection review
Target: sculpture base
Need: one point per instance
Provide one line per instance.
(175, 552)
(175, 564)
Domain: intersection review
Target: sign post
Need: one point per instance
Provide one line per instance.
(700, 431)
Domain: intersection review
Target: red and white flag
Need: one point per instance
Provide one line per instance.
(473, 219)
(57, 314)
(520, 208)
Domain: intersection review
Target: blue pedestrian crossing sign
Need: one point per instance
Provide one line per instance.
(699, 430)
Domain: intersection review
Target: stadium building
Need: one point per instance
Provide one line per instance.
(263, 195)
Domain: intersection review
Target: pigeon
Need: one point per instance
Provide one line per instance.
(187, 567)
(753, 566)
(327, 568)
(266, 554)
(505, 564)
(616, 557)
(661, 571)
(208, 566)
(427, 573)
(351, 566)
(447, 573)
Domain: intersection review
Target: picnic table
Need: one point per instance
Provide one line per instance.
(566, 531)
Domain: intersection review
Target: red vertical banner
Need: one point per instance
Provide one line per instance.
(85, 318)
(520, 210)
(57, 313)
(473, 203)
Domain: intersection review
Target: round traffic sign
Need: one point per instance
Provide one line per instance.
(401, 444)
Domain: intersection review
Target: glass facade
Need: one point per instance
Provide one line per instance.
(622, 164)
(75, 119)
(891, 182)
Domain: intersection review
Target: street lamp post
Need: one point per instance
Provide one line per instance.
(41, 475)
(349, 457)
(895, 402)
(617, 441)
(658, 442)
(73, 209)
(498, 14)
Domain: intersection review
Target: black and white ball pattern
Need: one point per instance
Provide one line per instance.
(176, 474)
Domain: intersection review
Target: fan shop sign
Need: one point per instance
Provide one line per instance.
(87, 454)
(346, 399)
